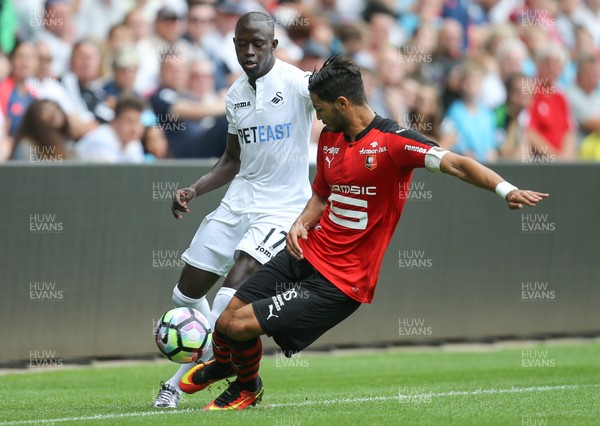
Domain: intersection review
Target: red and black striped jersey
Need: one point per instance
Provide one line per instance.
(366, 184)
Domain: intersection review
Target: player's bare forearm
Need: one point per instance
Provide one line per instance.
(312, 211)
(477, 174)
(470, 171)
(222, 173)
(308, 218)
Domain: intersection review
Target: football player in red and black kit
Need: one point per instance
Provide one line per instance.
(335, 247)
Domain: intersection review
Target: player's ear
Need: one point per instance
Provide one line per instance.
(341, 103)
(234, 41)
(274, 44)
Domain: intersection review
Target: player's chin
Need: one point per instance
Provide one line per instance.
(252, 70)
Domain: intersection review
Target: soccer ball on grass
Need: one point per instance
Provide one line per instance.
(183, 335)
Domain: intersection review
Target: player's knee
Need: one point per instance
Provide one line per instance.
(238, 327)
(222, 323)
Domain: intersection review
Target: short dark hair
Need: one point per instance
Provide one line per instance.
(257, 17)
(129, 102)
(339, 76)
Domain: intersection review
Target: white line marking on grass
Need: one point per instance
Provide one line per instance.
(477, 392)
(436, 395)
(99, 417)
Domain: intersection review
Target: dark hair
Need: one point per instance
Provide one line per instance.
(512, 77)
(257, 17)
(18, 44)
(39, 133)
(339, 76)
(129, 102)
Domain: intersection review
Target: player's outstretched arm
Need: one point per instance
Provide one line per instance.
(222, 173)
(308, 218)
(477, 174)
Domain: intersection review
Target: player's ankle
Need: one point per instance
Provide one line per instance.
(251, 385)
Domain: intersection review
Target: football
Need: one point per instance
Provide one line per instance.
(183, 335)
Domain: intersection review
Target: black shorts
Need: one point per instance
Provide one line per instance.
(294, 303)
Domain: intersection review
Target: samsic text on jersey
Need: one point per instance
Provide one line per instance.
(365, 184)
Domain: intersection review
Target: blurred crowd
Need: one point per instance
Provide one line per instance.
(137, 80)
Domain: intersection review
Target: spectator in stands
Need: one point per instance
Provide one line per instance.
(469, 119)
(44, 134)
(15, 92)
(94, 18)
(426, 116)
(584, 98)
(387, 98)
(169, 27)
(47, 86)
(550, 133)
(201, 81)
(384, 30)
(509, 56)
(146, 80)
(119, 35)
(313, 56)
(448, 54)
(84, 87)
(512, 117)
(352, 37)
(125, 67)
(118, 141)
(419, 49)
(58, 32)
(155, 143)
(200, 23)
(571, 14)
(219, 42)
(419, 14)
(594, 20)
(584, 46)
(135, 20)
(181, 115)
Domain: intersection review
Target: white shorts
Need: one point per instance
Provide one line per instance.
(223, 234)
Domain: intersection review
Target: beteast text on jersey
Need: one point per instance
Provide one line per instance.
(265, 133)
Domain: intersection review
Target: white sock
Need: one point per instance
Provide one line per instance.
(200, 305)
(221, 301)
(203, 307)
(183, 368)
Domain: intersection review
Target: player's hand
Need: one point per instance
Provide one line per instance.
(298, 230)
(518, 197)
(181, 199)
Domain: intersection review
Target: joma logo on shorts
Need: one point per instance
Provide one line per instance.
(264, 251)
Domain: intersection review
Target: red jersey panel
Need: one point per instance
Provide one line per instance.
(366, 184)
(550, 116)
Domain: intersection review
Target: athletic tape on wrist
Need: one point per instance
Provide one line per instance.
(503, 188)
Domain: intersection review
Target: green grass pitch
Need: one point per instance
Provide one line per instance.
(530, 385)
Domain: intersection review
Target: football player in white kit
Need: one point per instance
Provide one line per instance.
(266, 160)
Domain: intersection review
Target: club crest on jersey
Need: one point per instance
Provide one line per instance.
(371, 162)
(277, 99)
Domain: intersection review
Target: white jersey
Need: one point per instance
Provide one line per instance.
(273, 129)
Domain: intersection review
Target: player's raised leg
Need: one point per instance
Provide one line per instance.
(193, 282)
(203, 374)
(209, 257)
